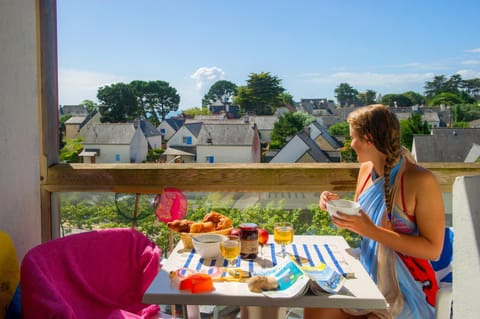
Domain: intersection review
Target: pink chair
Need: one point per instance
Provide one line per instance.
(97, 274)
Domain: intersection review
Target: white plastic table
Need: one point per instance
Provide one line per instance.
(359, 290)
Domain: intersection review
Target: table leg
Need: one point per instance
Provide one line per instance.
(266, 312)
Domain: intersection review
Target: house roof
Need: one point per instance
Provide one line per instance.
(326, 136)
(147, 128)
(314, 150)
(264, 122)
(225, 134)
(174, 152)
(194, 127)
(431, 117)
(76, 120)
(445, 144)
(475, 123)
(175, 123)
(109, 133)
(73, 110)
(474, 154)
(293, 151)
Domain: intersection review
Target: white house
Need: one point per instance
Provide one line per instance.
(152, 134)
(185, 136)
(228, 143)
(265, 125)
(312, 145)
(170, 126)
(114, 143)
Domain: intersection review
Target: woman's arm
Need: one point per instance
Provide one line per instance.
(424, 199)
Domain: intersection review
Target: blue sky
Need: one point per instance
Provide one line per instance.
(312, 46)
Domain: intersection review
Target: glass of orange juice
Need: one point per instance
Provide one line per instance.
(230, 249)
(283, 235)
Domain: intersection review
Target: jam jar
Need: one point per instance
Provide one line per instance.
(248, 241)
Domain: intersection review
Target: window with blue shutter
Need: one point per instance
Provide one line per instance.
(189, 140)
(117, 157)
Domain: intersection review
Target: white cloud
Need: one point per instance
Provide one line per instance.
(74, 86)
(371, 80)
(471, 62)
(424, 66)
(477, 50)
(204, 76)
(469, 74)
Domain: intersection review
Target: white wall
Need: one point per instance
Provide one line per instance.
(225, 154)
(108, 152)
(177, 138)
(19, 125)
(155, 141)
(138, 147)
(466, 254)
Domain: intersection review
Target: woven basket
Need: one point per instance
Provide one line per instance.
(187, 237)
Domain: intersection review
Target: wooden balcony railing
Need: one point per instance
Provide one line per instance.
(152, 178)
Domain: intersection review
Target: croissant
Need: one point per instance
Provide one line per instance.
(202, 227)
(213, 217)
(224, 223)
(180, 225)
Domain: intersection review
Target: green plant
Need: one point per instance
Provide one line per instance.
(93, 211)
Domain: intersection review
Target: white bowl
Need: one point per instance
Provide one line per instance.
(207, 245)
(345, 206)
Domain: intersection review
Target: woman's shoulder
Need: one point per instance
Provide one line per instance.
(365, 168)
(416, 174)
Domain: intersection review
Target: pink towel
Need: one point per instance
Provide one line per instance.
(99, 274)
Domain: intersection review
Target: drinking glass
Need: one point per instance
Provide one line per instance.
(230, 250)
(283, 235)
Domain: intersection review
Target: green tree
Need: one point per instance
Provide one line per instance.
(346, 95)
(222, 91)
(465, 112)
(347, 153)
(118, 103)
(415, 97)
(73, 147)
(394, 100)
(436, 86)
(471, 87)
(90, 105)
(445, 98)
(286, 98)
(197, 111)
(155, 99)
(154, 154)
(339, 129)
(261, 95)
(287, 126)
(412, 126)
(368, 97)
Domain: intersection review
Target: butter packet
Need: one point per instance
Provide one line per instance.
(324, 278)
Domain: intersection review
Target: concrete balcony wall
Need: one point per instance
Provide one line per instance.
(466, 248)
(19, 124)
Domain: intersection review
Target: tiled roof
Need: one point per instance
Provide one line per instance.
(225, 134)
(147, 128)
(446, 144)
(109, 133)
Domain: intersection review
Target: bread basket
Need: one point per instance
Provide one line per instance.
(187, 237)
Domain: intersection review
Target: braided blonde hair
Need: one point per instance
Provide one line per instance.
(378, 124)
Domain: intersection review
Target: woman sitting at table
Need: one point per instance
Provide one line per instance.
(401, 219)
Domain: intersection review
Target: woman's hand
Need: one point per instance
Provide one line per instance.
(325, 197)
(360, 224)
